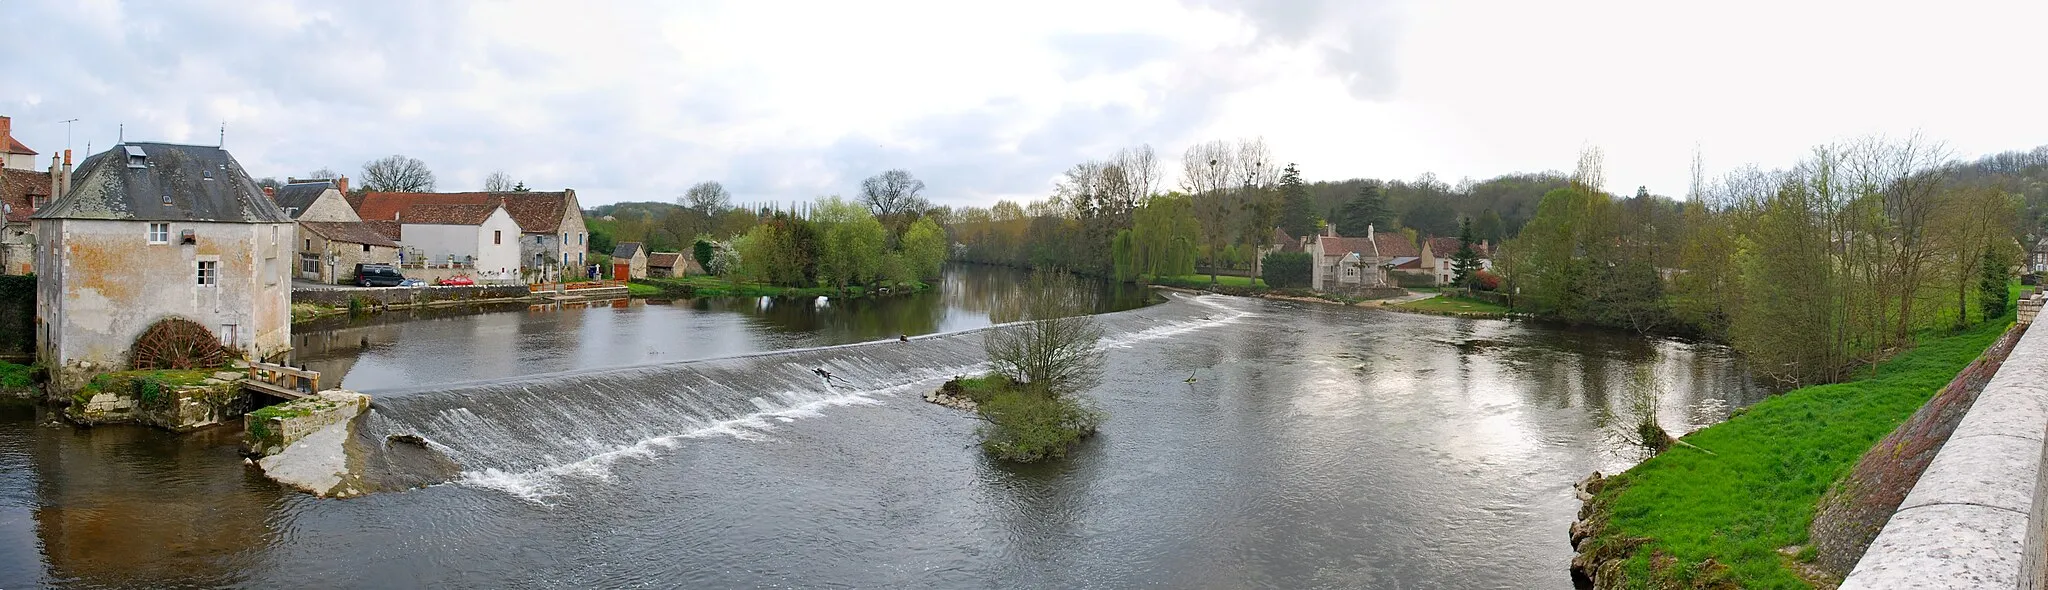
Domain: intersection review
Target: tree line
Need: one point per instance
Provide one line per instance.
(1812, 271)
(890, 236)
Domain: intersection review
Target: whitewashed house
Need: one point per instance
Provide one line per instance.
(483, 238)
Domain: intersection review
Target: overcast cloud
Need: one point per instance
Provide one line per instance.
(790, 100)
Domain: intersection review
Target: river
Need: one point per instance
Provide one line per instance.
(668, 445)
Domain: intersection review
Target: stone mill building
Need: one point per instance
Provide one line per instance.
(146, 232)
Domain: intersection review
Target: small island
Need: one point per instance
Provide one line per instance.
(1031, 402)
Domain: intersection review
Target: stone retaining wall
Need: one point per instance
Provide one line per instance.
(269, 430)
(399, 296)
(1975, 517)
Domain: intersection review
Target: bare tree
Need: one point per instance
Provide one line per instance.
(1205, 174)
(1588, 177)
(1140, 170)
(268, 182)
(708, 197)
(892, 193)
(1255, 176)
(397, 173)
(1054, 348)
(499, 181)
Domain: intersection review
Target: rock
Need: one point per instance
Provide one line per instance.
(410, 439)
(225, 376)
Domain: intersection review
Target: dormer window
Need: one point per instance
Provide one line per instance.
(167, 200)
(136, 159)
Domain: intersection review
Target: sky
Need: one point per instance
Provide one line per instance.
(625, 100)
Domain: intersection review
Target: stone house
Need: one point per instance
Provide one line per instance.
(330, 250)
(664, 265)
(629, 261)
(1348, 264)
(1439, 258)
(483, 238)
(21, 192)
(552, 239)
(146, 232)
(331, 240)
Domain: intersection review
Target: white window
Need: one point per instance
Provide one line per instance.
(159, 233)
(309, 263)
(209, 273)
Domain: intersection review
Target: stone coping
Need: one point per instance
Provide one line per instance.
(1974, 519)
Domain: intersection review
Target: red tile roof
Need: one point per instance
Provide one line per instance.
(348, 231)
(14, 146)
(446, 214)
(384, 227)
(1393, 244)
(535, 212)
(1448, 247)
(1390, 246)
(663, 259)
(19, 190)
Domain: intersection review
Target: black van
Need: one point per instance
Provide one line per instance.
(378, 275)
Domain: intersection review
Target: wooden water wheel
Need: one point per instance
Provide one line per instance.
(176, 343)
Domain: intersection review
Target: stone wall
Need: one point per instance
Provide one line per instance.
(1974, 518)
(397, 296)
(124, 398)
(269, 430)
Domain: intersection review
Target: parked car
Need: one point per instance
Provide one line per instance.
(456, 281)
(412, 282)
(378, 275)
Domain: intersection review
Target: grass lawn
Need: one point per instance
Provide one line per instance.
(1199, 281)
(1772, 463)
(1447, 303)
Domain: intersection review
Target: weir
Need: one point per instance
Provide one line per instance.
(518, 434)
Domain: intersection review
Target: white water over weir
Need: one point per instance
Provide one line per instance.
(521, 434)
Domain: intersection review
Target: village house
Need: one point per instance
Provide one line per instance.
(14, 155)
(1342, 264)
(1439, 258)
(552, 239)
(629, 261)
(148, 232)
(481, 237)
(331, 240)
(22, 190)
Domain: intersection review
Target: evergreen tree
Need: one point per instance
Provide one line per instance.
(1297, 213)
(1489, 227)
(1368, 208)
(1465, 264)
(1991, 290)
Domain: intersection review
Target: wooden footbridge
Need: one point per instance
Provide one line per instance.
(281, 382)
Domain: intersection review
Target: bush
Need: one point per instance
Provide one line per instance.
(1025, 425)
(1487, 281)
(1287, 269)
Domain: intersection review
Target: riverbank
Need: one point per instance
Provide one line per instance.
(311, 304)
(1453, 306)
(1733, 506)
(696, 287)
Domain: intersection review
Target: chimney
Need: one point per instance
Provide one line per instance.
(270, 191)
(1368, 235)
(56, 182)
(341, 184)
(6, 130)
(1330, 229)
(67, 172)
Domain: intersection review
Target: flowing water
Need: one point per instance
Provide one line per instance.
(1317, 446)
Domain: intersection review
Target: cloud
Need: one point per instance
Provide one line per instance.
(1356, 39)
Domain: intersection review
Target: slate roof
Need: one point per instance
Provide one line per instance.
(353, 232)
(446, 214)
(663, 259)
(535, 212)
(626, 250)
(19, 190)
(300, 195)
(203, 183)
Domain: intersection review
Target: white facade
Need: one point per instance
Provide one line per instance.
(18, 161)
(492, 247)
(103, 282)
